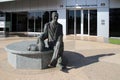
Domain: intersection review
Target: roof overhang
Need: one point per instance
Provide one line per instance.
(6, 0)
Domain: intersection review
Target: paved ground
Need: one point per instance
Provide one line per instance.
(86, 61)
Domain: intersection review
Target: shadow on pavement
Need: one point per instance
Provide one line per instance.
(76, 60)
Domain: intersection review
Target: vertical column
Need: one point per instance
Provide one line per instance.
(103, 19)
(82, 22)
(88, 22)
(75, 22)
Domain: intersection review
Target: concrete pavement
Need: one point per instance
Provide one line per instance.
(86, 61)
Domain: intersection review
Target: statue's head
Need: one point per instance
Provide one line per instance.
(54, 16)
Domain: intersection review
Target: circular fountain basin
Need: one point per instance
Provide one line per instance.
(21, 58)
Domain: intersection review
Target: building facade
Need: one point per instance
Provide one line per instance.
(85, 19)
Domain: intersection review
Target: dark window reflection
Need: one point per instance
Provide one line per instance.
(114, 23)
(2, 14)
(31, 21)
(14, 22)
(8, 22)
(21, 22)
(78, 21)
(70, 16)
(27, 21)
(18, 21)
(38, 18)
(85, 24)
(93, 22)
(45, 18)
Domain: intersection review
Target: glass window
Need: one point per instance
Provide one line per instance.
(27, 21)
(8, 22)
(70, 22)
(14, 22)
(38, 18)
(21, 21)
(93, 22)
(85, 12)
(78, 21)
(2, 14)
(45, 18)
(114, 23)
(31, 21)
(17, 21)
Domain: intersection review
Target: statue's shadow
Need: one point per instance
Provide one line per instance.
(77, 60)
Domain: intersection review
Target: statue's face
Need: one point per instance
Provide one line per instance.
(55, 16)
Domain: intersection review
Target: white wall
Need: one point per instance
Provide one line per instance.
(92, 2)
(114, 3)
(103, 20)
(70, 2)
(81, 2)
(99, 2)
(62, 19)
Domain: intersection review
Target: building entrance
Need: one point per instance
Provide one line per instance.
(82, 22)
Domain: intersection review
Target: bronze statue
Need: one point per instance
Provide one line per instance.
(54, 33)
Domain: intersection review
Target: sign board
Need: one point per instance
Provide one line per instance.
(94, 5)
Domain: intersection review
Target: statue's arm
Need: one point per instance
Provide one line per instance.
(43, 35)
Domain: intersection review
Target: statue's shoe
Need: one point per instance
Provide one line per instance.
(50, 66)
(64, 69)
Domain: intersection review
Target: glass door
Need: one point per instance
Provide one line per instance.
(85, 22)
(70, 22)
(78, 21)
(90, 22)
(82, 22)
(93, 22)
(73, 21)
